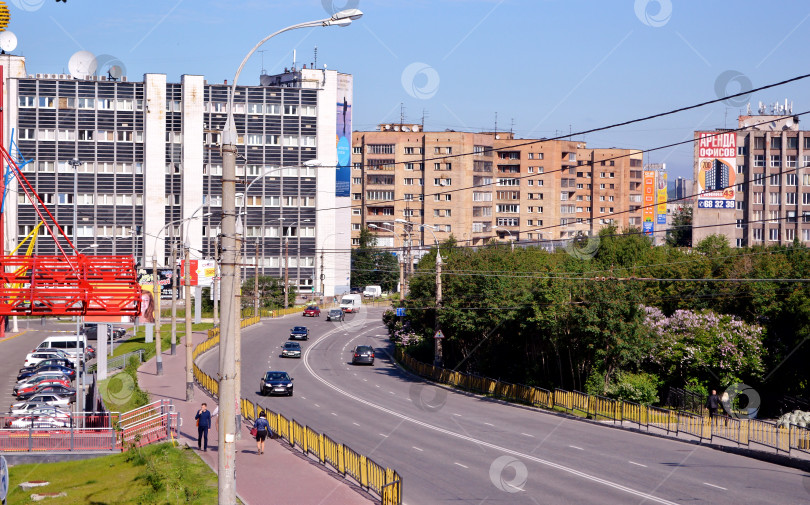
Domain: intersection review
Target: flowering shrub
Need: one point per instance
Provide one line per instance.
(696, 344)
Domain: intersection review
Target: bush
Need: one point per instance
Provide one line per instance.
(634, 387)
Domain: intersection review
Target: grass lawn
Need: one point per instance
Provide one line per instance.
(138, 341)
(158, 473)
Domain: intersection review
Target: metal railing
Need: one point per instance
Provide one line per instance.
(743, 432)
(69, 431)
(118, 362)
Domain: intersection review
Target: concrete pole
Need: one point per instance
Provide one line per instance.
(237, 332)
(256, 283)
(156, 289)
(226, 434)
(323, 278)
(175, 287)
(402, 277)
(437, 351)
(286, 272)
(101, 352)
(189, 350)
(215, 285)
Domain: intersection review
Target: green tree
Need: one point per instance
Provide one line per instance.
(373, 266)
(271, 292)
(680, 229)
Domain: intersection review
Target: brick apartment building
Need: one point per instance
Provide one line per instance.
(484, 186)
(765, 196)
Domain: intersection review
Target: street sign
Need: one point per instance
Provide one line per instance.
(3, 478)
(438, 334)
(401, 312)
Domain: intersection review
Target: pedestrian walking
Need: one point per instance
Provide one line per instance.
(262, 429)
(712, 403)
(203, 418)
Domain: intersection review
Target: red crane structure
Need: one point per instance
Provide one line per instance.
(63, 284)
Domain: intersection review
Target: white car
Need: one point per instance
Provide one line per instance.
(34, 358)
(42, 418)
(42, 399)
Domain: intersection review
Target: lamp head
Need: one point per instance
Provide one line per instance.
(347, 15)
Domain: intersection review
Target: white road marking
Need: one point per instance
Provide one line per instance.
(718, 487)
(489, 424)
(355, 424)
(316, 405)
(334, 414)
(575, 447)
(457, 415)
(378, 385)
(548, 463)
(418, 449)
(637, 464)
(527, 435)
(383, 435)
(391, 392)
(459, 464)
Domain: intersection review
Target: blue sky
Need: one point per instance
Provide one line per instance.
(544, 66)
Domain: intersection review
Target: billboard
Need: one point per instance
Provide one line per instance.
(343, 133)
(661, 209)
(164, 277)
(648, 213)
(202, 272)
(717, 167)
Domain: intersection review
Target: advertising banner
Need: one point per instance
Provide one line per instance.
(202, 272)
(344, 135)
(164, 281)
(661, 209)
(648, 213)
(717, 168)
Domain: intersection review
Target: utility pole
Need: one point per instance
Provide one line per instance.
(237, 329)
(215, 287)
(156, 289)
(323, 278)
(175, 287)
(286, 271)
(437, 351)
(256, 283)
(226, 434)
(187, 283)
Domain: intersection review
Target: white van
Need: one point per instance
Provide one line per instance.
(372, 291)
(66, 343)
(351, 303)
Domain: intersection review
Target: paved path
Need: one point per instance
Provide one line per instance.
(278, 477)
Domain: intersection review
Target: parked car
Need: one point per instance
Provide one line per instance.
(299, 332)
(90, 330)
(335, 315)
(40, 370)
(276, 383)
(363, 354)
(65, 362)
(43, 399)
(20, 408)
(56, 389)
(34, 358)
(291, 350)
(35, 382)
(44, 420)
(312, 311)
(35, 409)
(90, 352)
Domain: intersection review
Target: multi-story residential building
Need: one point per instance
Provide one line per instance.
(766, 196)
(138, 164)
(480, 186)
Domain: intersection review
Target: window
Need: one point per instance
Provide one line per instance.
(511, 181)
(414, 150)
(790, 161)
(757, 216)
(739, 223)
(790, 198)
(308, 110)
(759, 179)
(773, 234)
(758, 234)
(790, 234)
(291, 110)
(87, 103)
(67, 134)
(774, 198)
(379, 195)
(774, 216)
(790, 179)
(442, 182)
(776, 180)
(47, 102)
(758, 197)
(380, 149)
(27, 101)
(776, 160)
(759, 160)
(507, 208)
(776, 142)
(806, 198)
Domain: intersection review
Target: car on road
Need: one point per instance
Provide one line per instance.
(299, 332)
(312, 311)
(291, 350)
(43, 399)
(335, 315)
(45, 370)
(276, 383)
(363, 354)
(56, 389)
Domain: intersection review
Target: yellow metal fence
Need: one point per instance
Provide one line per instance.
(744, 432)
(384, 482)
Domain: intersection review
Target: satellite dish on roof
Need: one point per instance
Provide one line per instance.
(82, 64)
(8, 41)
(115, 72)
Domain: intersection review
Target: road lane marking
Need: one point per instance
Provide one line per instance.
(637, 464)
(718, 487)
(489, 424)
(355, 424)
(383, 435)
(527, 435)
(459, 464)
(550, 464)
(418, 449)
(316, 405)
(391, 392)
(457, 415)
(575, 447)
(334, 414)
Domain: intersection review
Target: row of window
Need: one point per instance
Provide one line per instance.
(776, 161)
(776, 143)
(50, 102)
(82, 135)
(83, 199)
(89, 168)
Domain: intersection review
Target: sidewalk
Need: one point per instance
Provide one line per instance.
(279, 476)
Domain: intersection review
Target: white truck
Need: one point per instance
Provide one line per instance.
(351, 303)
(372, 291)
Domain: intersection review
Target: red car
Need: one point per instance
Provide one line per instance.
(32, 387)
(312, 311)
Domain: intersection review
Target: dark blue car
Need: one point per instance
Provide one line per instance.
(299, 332)
(67, 372)
(276, 383)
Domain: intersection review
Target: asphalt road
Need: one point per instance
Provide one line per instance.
(451, 447)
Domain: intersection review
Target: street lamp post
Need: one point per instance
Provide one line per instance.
(437, 336)
(401, 260)
(228, 395)
(511, 237)
(323, 276)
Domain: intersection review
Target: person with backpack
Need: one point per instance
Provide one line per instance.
(261, 429)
